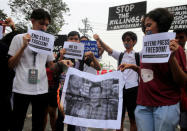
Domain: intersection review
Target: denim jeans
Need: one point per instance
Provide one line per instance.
(162, 118)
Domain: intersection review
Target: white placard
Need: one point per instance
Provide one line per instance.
(93, 100)
(41, 42)
(156, 47)
(74, 50)
(1, 32)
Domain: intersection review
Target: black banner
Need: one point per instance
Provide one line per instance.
(126, 16)
(180, 17)
(59, 43)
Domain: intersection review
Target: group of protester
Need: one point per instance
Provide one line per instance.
(153, 94)
(160, 86)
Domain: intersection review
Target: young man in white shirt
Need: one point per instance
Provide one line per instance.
(30, 83)
(130, 76)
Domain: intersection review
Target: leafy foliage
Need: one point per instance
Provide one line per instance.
(56, 8)
(3, 16)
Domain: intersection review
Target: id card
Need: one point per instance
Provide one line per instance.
(33, 76)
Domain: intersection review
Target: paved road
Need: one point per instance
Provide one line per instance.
(28, 123)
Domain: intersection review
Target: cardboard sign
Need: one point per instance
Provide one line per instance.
(126, 16)
(74, 50)
(156, 47)
(180, 17)
(41, 42)
(91, 46)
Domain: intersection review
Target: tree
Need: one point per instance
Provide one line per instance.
(3, 16)
(21, 27)
(56, 8)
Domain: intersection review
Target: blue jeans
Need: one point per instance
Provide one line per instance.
(162, 118)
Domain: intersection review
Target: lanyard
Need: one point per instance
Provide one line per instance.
(34, 58)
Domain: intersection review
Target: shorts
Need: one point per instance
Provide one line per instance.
(183, 120)
(52, 99)
(129, 102)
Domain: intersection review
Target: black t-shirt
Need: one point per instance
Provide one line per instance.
(6, 78)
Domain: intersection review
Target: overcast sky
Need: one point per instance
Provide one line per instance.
(97, 13)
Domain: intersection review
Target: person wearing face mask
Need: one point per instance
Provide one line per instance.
(160, 83)
(130, 77)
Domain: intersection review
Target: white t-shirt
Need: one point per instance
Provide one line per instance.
(130, 76)
(21, 83)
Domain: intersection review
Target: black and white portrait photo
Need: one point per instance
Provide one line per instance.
(92, 100)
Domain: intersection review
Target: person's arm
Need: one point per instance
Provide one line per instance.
(134, 67)
(105, 46)
(100, 49)
(14, 60)
(179, 76)
(94, 63)
(63, 64)
(9, 22)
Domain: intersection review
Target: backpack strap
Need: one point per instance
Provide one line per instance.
(120, 58)
(137, 58)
